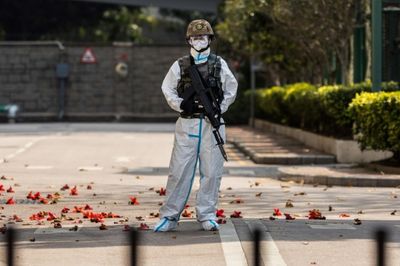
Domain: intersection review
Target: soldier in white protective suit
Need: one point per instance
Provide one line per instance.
(194, 141)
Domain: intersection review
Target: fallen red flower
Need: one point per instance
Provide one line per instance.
(236, 214)
(51, 216)
(35, 196)
(38, 216)
(1, 187)
(220, 213)
(144, 226)
(277, 212)
(161, 191)
(133, 201)
(65, 210)
(65, 187)
(43, 201)
(29, 196)
(49, 196)
(74, 191)
(344, 215)
(10, 201)
(10, 190)
(315, 215)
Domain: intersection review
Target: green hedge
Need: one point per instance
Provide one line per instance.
(329, 110)
(377, 120)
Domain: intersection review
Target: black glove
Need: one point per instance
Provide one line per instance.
(187, 105)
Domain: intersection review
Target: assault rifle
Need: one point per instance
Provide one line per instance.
(210, 104)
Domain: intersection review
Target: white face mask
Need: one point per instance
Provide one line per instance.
(199, 42)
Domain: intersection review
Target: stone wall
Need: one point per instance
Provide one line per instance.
(94, 91)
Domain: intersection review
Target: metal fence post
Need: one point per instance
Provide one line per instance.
(380, 241)
(257, 254)
(10, 234)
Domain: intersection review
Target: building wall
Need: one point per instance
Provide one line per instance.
(28, 78)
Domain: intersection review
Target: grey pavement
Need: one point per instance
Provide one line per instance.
(123, 160)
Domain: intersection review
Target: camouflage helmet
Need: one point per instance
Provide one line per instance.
(199, 27)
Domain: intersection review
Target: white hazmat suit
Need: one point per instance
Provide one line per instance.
(194, 143)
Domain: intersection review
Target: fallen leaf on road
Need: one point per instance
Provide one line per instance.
(238, 201)
(65, 210)
(221, 221)
(10, 190)
(360, 212)
(236, 214)
(89, 187)
(75, 228)
(228, 188)
(330, 208)
(57, 225)
(344, 215)
(103, 227)
(162, 191)
(357, 221)
(160, 204)
(300, 194)
(17, 219)
(154, 215)
(393, 212)
(144, 226)
(87, 207)
(139, 218)
(258, 194)
(315, 214)
(3, 229)
(289, 204)
(3, 178)
(65, 187)
(277, 212)
(289, 217)
(32, 239)
(272, 218)
(126, 228)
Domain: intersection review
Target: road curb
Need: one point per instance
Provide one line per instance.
(341, 181)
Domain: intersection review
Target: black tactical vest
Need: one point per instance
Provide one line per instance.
(211, 73)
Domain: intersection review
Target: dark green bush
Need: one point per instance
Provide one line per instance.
(272, 104)
(301, 101)
(377, 120)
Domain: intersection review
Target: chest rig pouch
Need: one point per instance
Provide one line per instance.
(211, 73)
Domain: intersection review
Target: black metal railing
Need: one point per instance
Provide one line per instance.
(380, 237)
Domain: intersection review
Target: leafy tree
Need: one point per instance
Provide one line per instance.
(296, 40)
(70, 21)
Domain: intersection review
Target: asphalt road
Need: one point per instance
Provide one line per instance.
(120, 161)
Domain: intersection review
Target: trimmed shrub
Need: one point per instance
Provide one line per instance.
(301, 101)
(377, 120)
(272, 105)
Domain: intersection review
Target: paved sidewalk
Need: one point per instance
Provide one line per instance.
(270, 148)
(289, 160)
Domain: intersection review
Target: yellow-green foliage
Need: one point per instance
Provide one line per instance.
(377, 120)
